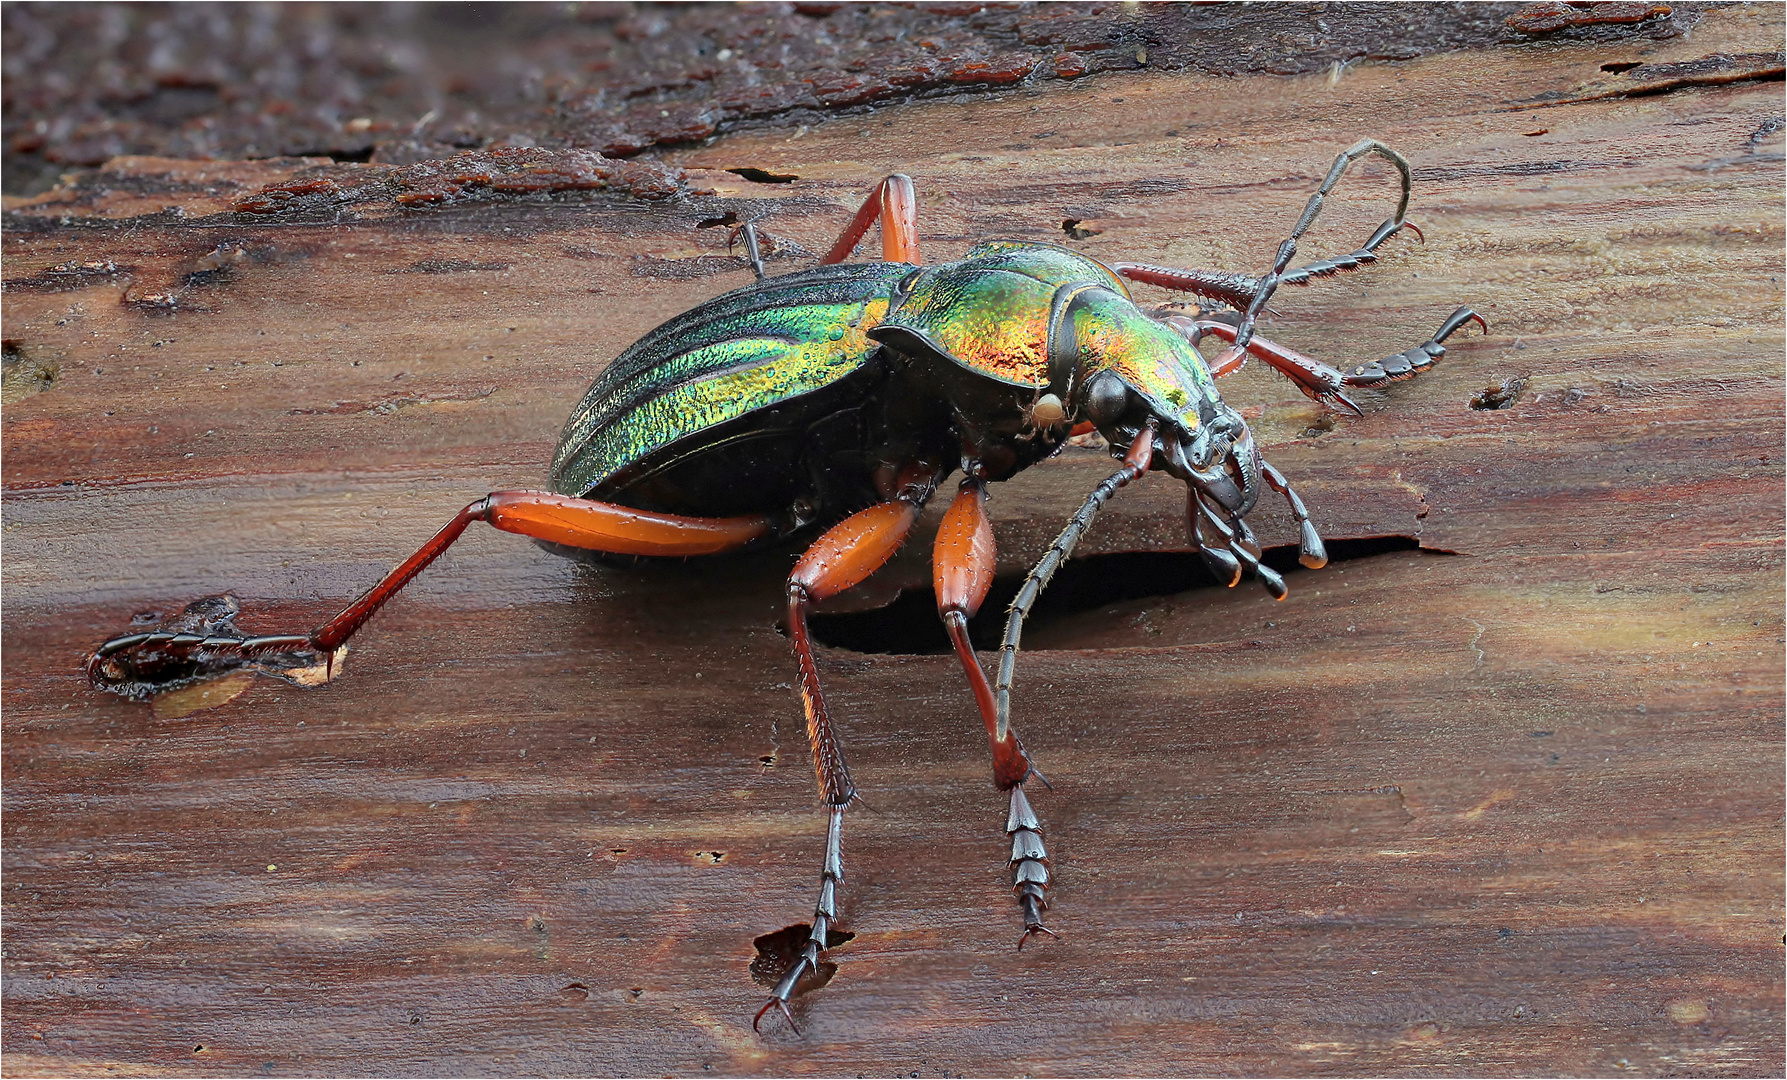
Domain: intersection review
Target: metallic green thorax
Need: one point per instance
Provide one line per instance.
(1041, 316)
(747, 350)
(990, 311)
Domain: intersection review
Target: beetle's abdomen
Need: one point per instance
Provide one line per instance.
(694, 378)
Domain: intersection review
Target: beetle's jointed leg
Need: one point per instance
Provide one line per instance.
(1406, 365)
(753, 250)
(1237, 290)
(961, 572)
(140, 665)
(1288, 249)
(1234, 290)
(847, 554)
(1352, 259)
(1317, 380)
(1031, 876)
(962, 567)
(895, 204)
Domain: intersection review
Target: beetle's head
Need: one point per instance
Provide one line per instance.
(1135, 370)
(1060, 330)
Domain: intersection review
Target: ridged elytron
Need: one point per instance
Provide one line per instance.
(772, 410)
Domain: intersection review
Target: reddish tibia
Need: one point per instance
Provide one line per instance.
(1235, 290)
(1317, 380)
(896, 205)
(962, 572)
(1011, 766)
(334, 633)
(835, 785)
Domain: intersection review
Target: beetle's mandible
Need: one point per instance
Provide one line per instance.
(769, 412)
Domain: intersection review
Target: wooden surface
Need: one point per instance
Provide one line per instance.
(402, 83)
(1506, 803)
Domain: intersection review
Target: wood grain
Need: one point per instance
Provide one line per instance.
(1507, 803)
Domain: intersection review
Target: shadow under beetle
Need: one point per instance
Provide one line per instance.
(771, 410)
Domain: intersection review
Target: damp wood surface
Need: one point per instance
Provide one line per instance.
(1499, 796)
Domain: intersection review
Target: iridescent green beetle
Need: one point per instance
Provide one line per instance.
(772, 410)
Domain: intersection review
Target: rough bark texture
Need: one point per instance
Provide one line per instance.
(1502, 797)
(400, 83)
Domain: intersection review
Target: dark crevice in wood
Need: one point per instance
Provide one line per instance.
(339, 155)
(910, 625)
(764, 176)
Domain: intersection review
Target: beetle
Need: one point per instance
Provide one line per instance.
(780, 408)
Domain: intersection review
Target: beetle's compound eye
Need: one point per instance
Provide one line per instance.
(1048, 411)
(1107, 399)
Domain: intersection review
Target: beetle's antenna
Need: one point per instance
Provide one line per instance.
(1135, 463)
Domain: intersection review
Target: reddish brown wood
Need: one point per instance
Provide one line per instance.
(408, 85)
(1506, 804)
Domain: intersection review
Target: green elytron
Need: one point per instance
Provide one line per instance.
(776, 409)
(743, 404)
